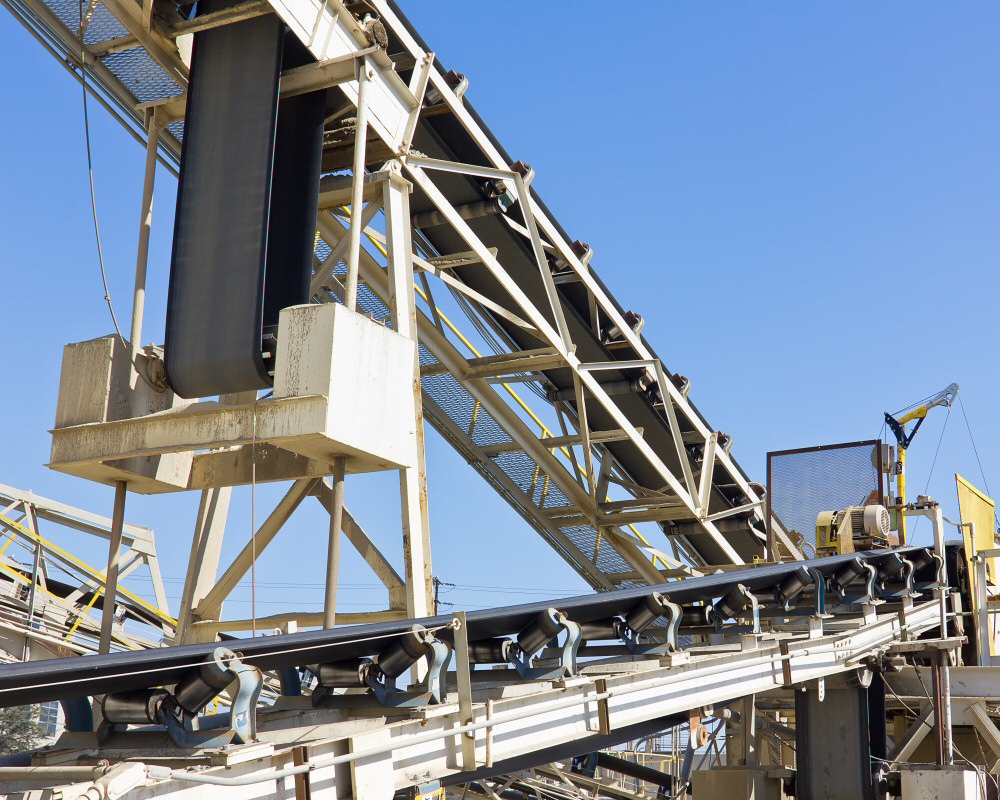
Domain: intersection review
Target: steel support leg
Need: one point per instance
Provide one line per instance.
(203, 564)
(145, 223)
(412, 480)
(333, 550)
(111, 576)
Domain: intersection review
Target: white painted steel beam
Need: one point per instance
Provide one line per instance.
(521, 722)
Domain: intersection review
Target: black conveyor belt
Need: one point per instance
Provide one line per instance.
(43, 681)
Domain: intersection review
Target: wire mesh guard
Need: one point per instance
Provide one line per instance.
(801, 483)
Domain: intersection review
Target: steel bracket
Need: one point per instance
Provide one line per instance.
(899, 589)
(567, 667)
(631, 638)
(868, 598)
(388, 695)
(184, 728)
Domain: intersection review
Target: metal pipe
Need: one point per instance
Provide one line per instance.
(333, 549)
(482, 208)
(945, 671)
(26, 652)
(357, 190)
(111, 576)
(938, 717)
(145, 223)
(51, 774)
(937, 517)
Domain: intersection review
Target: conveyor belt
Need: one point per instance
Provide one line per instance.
(22, 684)
(444, 137)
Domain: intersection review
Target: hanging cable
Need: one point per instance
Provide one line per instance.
(982, 472)
(253, 523)
(93, 200)
(933, 462)
(90, 174)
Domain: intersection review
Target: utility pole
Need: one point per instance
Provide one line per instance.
(438, 583)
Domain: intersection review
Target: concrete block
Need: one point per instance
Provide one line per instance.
(366, 371)
(735, 783)
(97, 385)
(926, 782)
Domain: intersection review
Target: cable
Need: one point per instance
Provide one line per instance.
(253, 523)
(93, 202)
(975, 450)
(90, 173)
(933, 463)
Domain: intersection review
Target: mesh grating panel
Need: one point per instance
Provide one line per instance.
(532, 479)
(802, 483)
(103, 25)
(425, 356)
(142, 76)
(608, 560)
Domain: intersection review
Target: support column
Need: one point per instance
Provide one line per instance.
(206, 545)
(357, 189)
(413, 480)
(203, 563)
(333, 549)
(111, 576)
(145, 223)
(26, 653)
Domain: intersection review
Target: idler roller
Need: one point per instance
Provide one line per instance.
(204, 684)
(600, 630)
(849, 573)
(792, 586)
(489, 651)
(405, 651)
(921, 560)
(546, 627)
(892, 568)
(647, 612)
(732, 603)
(135, 708)
(703, 616)
(351, 673)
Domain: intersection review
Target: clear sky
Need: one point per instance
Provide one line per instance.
(800, 198)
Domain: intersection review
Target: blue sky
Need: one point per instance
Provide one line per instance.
(800, 198)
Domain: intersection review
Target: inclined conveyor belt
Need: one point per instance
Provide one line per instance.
(444, 137)
(125, 79)
(62, 679)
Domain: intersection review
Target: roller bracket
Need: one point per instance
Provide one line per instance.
(178, 712)
(896, 579)
(870, 575)
(640, 618)
(544, 629)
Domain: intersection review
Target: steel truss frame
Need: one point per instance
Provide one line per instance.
(50, 604)
(335, 38)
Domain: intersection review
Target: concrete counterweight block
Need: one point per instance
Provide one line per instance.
(343, 386)
(366, 372)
